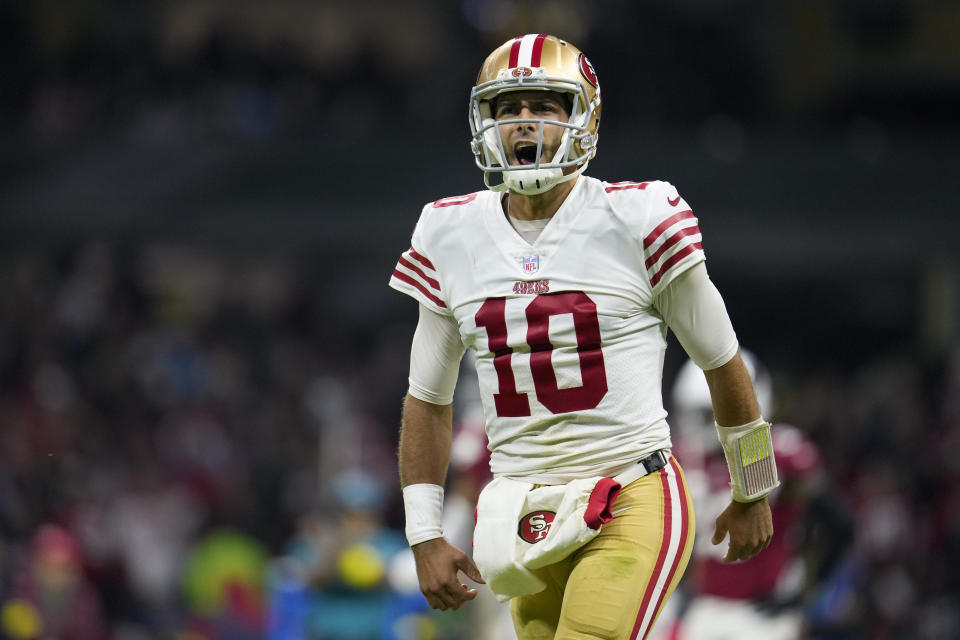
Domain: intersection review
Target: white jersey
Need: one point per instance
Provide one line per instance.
(569, 348)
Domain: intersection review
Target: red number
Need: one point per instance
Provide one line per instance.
(586, 324)
(509, 403)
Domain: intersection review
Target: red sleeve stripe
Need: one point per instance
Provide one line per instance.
(399, 275)
(421, 259)
(412, 267)
(455, 200)
(620, 186)
(672, 240)
(674, 259)
(666, 224)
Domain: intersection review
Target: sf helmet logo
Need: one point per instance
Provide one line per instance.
(587, 70)
(522, 72)
(535, 526)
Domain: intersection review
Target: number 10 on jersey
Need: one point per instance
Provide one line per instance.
(510, 403)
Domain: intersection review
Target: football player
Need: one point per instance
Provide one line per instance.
(761, 600)
(564, 286)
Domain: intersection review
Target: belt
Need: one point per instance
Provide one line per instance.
(645, 466)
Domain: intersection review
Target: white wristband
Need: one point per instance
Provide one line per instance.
(423, 505)
(749, 452)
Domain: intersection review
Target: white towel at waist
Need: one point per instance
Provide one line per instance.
(520, 528)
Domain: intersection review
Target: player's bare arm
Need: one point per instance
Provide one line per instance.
(749, 524)
(424, 454)
(425, 435)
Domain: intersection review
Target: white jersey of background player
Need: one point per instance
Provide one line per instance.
(724, 602)
(534, 313)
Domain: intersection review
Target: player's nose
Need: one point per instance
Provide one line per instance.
(525, 112)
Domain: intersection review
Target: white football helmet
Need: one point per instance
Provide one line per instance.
(535, 62)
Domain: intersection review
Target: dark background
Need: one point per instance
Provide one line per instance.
(201, 203)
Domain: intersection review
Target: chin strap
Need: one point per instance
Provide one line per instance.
(532, 182)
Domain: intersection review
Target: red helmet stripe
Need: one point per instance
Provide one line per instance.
(526, 51)
(515, 52)
(537, 50)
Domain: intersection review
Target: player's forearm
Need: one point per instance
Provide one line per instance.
(732, 393)
(425, 436)
(746, 440)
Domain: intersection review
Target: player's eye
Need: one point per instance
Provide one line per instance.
(548, 106)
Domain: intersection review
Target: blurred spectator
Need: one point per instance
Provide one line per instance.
(49, 597)
(224, 582)
(344, 563)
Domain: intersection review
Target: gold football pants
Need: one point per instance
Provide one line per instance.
(614, 587)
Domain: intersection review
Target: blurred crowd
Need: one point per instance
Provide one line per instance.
(193, 447)
(159, 70)
(889, 437)
(170, 420)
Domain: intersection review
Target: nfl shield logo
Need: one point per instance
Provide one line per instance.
(531, 264)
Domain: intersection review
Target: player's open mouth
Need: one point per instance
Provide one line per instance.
(526, 153)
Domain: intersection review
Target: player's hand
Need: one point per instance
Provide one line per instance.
(750, 526)
(438, 563)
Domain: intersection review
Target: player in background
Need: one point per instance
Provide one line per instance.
(564, 287)
(762, 600)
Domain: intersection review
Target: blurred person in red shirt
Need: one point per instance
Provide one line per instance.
(762, 600)
(51, 592)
